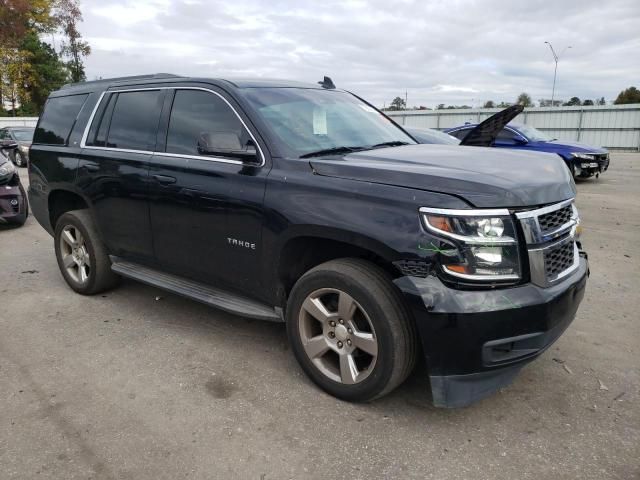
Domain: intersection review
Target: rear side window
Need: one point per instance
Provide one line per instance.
(58, 118)
(134, 121)
(200, 122)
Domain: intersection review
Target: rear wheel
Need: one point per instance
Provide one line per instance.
(350, 330)
(81, 256)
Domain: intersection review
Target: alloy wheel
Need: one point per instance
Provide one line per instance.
(75, 255)
(337, 336)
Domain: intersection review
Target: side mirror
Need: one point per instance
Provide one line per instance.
(226, 144)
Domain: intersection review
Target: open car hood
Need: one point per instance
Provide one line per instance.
(485, 133)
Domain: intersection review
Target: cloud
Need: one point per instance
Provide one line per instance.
(439, 52)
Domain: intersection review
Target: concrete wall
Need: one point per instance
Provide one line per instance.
(18, 121)
(611, 126)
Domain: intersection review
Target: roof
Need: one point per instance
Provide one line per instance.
(170, 78)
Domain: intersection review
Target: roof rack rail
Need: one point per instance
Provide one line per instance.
(121, 79)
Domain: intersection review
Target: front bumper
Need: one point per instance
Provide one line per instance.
(588, 168)
(13, 202)
(475, 342)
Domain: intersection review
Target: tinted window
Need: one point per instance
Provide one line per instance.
(460, 134)
(58, 118)
(201, 122)
(4, 134)
(101, 136)
(135, 120)
(506, 136)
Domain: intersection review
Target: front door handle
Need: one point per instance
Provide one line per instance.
(164, 179)
(91, 167)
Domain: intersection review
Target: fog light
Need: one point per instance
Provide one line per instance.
(14, 202)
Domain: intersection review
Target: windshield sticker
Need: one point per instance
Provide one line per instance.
(319, 121)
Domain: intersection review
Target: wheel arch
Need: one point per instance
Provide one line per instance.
(60, 201)
(301, 250)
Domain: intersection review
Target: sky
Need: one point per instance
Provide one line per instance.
(454, 52)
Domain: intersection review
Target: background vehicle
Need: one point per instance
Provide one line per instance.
(23, 136)
(583, 160)
(431, 136)
(302, 203)
(14, 208)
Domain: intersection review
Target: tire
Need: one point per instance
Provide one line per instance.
(378, 315)
(88, 271)
(19, 159)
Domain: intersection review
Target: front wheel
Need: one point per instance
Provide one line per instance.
(350, 330)
(82, 257)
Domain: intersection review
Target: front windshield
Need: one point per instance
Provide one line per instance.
(25, 135)
(312, 120)
(533, 134)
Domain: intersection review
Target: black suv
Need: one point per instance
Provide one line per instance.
(304, 204)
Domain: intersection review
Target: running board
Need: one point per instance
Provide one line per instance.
(229, 302)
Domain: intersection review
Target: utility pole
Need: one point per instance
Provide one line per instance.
(556, 57)
(406, 105)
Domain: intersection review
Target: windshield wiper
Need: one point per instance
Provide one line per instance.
(395, 143)
(331, 151)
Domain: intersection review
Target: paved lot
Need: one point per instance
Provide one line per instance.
(124, 386)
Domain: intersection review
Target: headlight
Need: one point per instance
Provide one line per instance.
(584, 156)
(23, 148)
(486, 246)
(7, 168)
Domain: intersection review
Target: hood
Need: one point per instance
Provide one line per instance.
(568, 146)
(24, 143)
(485, 178)
(486, 132)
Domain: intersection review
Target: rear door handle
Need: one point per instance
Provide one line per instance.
(164, 179)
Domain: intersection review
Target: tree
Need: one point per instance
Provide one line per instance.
(630, 95)
(398, 103)
(46, 72)
(503, 105)
(440, 106)
(74, 48)
(602, 101)
(588, 103)
(573, 101)
(489, 104)
(524, 99)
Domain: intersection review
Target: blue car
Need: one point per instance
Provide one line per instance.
(583, 160)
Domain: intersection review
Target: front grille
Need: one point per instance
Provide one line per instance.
(558, 259)
(553, 220)
(549, 233)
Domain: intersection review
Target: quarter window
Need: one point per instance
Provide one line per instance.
(202, 123)
(134, 121)
(58, 118)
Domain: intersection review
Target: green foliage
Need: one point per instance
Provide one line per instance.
(629, 95)
(398, 103)
(489, 104)
(588, 103)
(29, 67)
(524, 99)
(573, 101)
(602, 101)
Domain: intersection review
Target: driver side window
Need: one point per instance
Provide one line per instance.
(202, 124)
(507, 136)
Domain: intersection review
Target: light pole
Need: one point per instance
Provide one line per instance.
(556, 57)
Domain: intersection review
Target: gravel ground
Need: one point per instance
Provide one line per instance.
(141, 384)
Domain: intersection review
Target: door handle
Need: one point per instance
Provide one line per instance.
(164, 179)
(90, 167)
